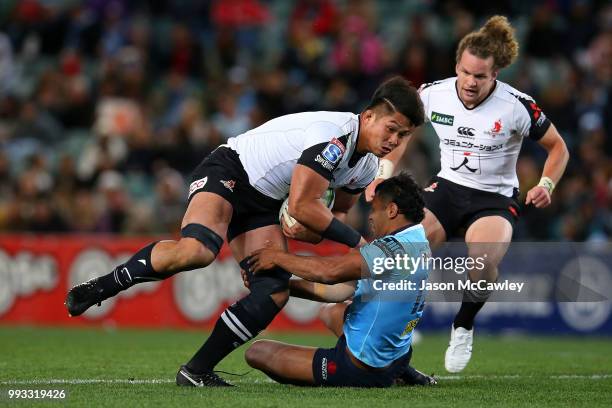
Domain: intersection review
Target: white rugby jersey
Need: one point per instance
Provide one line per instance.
(479, 146)
(323, 141)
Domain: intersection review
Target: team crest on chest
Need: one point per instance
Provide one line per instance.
(496, 129)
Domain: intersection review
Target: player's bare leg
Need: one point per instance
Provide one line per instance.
(284, 363)
(208, 209)
(487, 238)
(433, 229)
(332, 315)
(203, 226)
(244, 319)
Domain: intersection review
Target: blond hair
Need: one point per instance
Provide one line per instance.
(496, 39)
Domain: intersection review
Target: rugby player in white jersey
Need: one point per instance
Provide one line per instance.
(481, 123)
(238, 190)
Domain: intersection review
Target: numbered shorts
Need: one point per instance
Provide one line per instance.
(221, 172)
(333, 368)
(457, 206)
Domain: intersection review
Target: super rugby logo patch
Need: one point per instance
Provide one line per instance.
(334, 151)
(331, 155)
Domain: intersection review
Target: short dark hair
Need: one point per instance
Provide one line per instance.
(406, 194)
(398, 95)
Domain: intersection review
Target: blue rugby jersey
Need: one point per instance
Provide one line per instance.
(379, 323)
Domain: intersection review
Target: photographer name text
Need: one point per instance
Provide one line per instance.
(449, 286)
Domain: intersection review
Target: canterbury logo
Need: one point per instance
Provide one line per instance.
(466, 131)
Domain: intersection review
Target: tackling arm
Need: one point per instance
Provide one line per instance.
(328, 270)
(321, 292)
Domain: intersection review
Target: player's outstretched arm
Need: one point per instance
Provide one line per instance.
(554, 167)
(320, 292)
(328, 270)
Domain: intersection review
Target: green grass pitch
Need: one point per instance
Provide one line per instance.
(136, 368)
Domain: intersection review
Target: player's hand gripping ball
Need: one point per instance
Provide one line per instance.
(293, 229)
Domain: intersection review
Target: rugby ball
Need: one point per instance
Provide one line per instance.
(328, 199)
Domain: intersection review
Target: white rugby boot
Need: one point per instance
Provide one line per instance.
(459, 349)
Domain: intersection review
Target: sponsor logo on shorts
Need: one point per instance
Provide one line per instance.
(432, 187)
(324, 368)
(196, 185)
(333, 151)
(332, 367)
(442, 118)
(229, 184)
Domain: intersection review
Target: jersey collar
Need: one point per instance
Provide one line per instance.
(479, 103)
(355, 156)
(406, 228)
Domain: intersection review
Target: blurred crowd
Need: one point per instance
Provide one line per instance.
(107, 105)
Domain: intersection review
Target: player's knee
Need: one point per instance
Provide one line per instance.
(326, 314)
(190, 253)
(485, 269)
(280, 298)
(203, 246)
(257, 355)
(272, 284)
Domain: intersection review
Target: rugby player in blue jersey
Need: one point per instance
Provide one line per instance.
(375, 329)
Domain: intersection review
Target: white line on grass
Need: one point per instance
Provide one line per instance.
(77, 381)
(517, 376)
(87, 381)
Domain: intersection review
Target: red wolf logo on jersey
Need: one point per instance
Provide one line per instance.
(497, 127)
